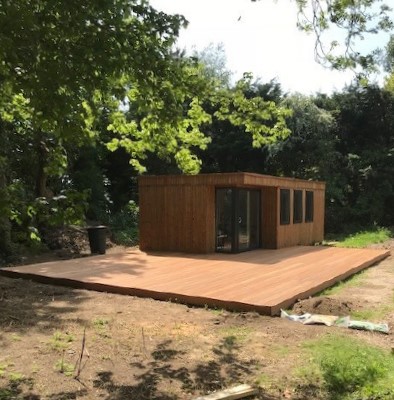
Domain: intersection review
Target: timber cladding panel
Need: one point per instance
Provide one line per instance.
(177, 212)
(177, 218)
(269, 217)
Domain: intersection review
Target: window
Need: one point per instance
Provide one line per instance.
(284, 206)
(308, 206)
(297, 207)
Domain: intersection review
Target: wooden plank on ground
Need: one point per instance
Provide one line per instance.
(236, 392)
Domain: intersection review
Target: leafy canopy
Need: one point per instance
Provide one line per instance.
(355, 20)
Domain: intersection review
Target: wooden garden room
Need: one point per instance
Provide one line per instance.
(229, 212)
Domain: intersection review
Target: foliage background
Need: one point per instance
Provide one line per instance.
(91, 95)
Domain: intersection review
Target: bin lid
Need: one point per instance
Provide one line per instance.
(96, 227)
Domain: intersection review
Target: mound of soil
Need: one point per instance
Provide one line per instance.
(69, 239)
(323, 305)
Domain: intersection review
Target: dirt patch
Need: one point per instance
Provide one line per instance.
(387, 245)
(324, 305)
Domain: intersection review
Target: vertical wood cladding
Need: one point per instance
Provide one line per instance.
(177, 218)
(177, 213)
(269, 217)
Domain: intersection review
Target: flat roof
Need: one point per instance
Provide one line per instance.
(231, 179)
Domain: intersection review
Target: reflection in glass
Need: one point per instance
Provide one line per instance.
(224, 212)
(237, 219)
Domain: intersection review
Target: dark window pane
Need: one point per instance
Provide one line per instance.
(308, 206)
(284, 206)
(297, 207)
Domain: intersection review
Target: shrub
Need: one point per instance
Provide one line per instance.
(124, 225)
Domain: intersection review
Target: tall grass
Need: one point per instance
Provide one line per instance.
(362, 238)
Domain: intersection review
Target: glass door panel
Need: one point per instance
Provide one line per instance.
(243, 219)
(224, 220)
(248, 213)
(254, 218)
(237, 219)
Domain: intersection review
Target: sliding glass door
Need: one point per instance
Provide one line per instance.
(224, 220)
(237, 219)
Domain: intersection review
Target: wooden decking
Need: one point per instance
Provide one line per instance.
(260, 280)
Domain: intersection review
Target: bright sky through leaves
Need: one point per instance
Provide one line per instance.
(262, 38)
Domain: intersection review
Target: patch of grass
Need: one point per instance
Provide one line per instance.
(373, 314)
(239, 333)
(263, 381)
(280, 350)
(350, 369)
(64, 367)
(218, 311)
(361, 239)
(16, 338)
(353, 281)
(101, 325)
(3, 368)
(15, 377)
(60, 341)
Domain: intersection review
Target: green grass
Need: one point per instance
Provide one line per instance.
(281, 350)
(101, 326)
(64, 368)
(16, 377)
(16, 338)
(217, 311)
(353, 281)
(373, 314)
(349, 369)
(60, 341)
(360, 239)
(3, 368)
(239, 333)
(100, 323)
(264, 381)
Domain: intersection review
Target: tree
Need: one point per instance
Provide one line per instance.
(214, 62)
(58, 61)
(309, 152)
(388, 63)
(232, 148)
(65, 67)
(365, 124)
(356, 20)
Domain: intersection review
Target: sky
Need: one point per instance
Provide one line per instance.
(259, 37)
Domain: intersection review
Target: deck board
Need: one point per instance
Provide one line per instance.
(260, 280)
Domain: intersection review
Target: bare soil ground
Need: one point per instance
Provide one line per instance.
(146, 349)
